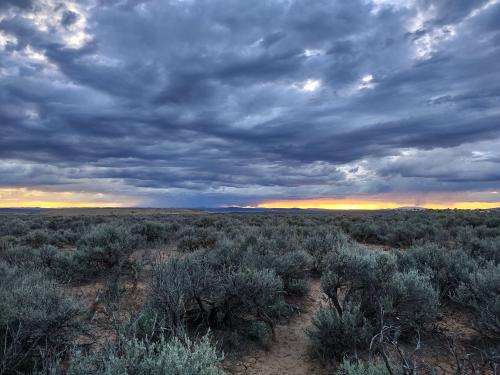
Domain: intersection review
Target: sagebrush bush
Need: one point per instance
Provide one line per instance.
(36, 318)
(144, 324)
(361, 275)
(411, 301)
(181, 285)
(334, 336)
(446, 268)
(253, 250)
(103, 248)
(193, 289)
(481, 293)
(483, 249)
(293, 268)
(16, 227)
(372, 281)
(5, 243)
(253, 292)
(37, 238)
(372, 367)
(323, 241)
(238, 271)
(193, 238)
(24, 256)
(155, 232)
(143, 357)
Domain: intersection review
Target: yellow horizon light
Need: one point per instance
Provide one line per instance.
(463, 205)
(369, 204)
(23, 197)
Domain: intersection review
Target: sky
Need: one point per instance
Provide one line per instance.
(262, 103)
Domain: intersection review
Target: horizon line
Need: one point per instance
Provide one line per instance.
(228, 207)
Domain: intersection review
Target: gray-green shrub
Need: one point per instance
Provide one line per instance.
(360, 275)
(252, 292)
(293, 268)
(37, 237)
(322, 242)
(334, 336)
(143, 357)
(193, 238)
(190, 289)
(183, 284)
(372, 281)
(411, 301)
(371, 367)
(446, 268)
(481, 293)
(36, 318)
(103, 248)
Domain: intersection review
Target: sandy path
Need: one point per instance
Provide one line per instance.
(290, 353)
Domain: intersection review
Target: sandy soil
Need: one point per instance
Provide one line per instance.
(290, 353)
(381, 248)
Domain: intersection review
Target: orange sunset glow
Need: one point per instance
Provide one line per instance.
(22, 197)
(385, 201)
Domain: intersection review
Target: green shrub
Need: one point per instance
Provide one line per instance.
(192, 238)
(36, 318)
(21, 256)
(190, 290)
(37, 238)
(104, 248)
(144, 324)
(293, 268)
(296, 287)
(361, 275)
(253, 251)
(54, 263)
(481, 293)
(446, 268)
(334, 336)
(486, 249)
(17, 227)
(320, 243)
(255, 330)
(227, 254)
(5, 243)
(413, 301)
(371, 367)
(184, 284)
(143, 357)
(371, 281)
(251, 292)
(154, 232)
(281, 310)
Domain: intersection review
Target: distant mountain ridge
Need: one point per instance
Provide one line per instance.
(231, 209)
(21, 210)
(258, 209)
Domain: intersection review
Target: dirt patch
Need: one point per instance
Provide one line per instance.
(105, 313)
(147, 257)
(453, 332)
(290, 353)
(381, 248)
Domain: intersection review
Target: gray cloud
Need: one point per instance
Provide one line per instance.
(198, 102)
(22, 4)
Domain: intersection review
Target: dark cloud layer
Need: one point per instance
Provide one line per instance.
(220, 102)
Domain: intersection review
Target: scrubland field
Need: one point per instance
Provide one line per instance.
(187, 292)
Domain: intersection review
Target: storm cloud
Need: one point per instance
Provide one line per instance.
(206, 103)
